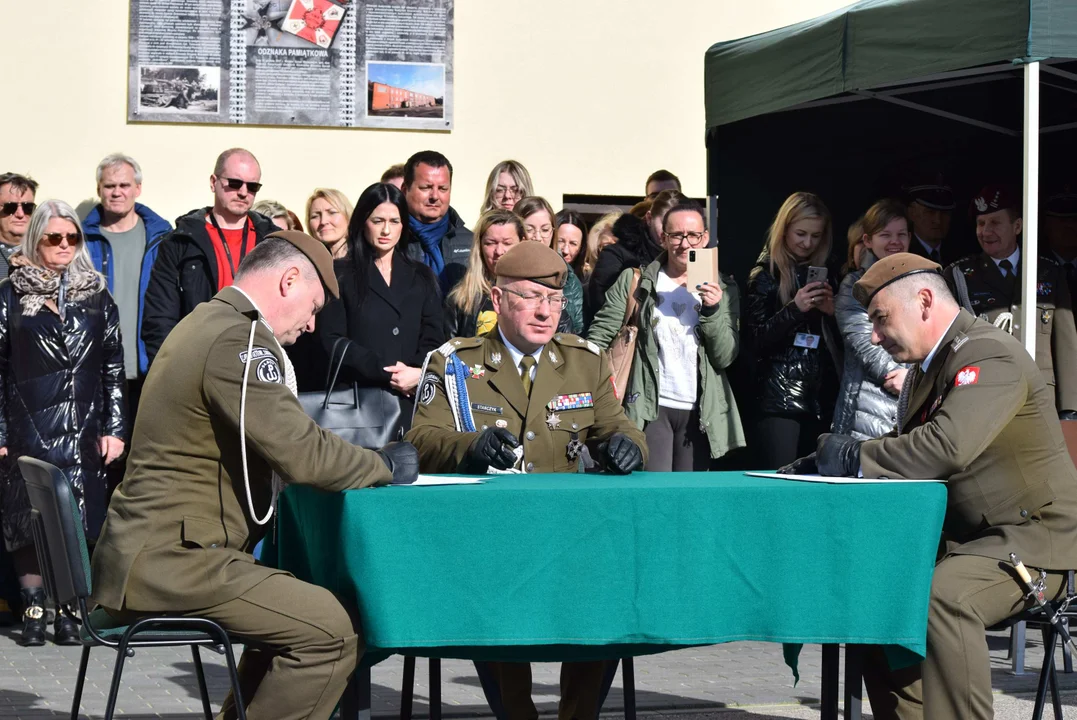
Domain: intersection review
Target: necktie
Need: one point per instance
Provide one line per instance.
(935, 257)
(526, 363)
(1006, 267)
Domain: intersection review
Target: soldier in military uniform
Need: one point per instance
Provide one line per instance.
(1060, 232)
(988, 285)
(202, 479)
(930, 202)
(529, 400)
(977, 413)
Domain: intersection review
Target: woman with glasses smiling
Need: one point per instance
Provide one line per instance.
(678, 392)
(62, 400)
(508, 183)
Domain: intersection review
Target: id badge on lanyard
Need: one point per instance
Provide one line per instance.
(224, 242)
(806, 340)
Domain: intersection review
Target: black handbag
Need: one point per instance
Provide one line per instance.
(370, 417)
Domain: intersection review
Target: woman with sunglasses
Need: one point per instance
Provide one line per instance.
(678, 391)
(61, 367)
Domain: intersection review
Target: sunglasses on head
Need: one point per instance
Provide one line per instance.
(55, 239)
(236, 184)
(10, 208)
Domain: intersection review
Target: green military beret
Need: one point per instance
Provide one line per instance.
(316, 252)
(533, 261)
(888, 270)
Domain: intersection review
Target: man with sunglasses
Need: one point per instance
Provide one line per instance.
(16, 207)
(200, 257)
(525, 399)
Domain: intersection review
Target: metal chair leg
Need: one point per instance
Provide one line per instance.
(76, 703)
(233, 676)
(117, 673)
(201, 676)
(1017, 648)
(1067, 655)
(435, 689)
(628, 680)
(1046, 672)
(407, 688)
(828, 696)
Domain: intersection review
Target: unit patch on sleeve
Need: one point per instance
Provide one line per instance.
(968, 375)
(428, 388)
(269, 371)
(257, 353)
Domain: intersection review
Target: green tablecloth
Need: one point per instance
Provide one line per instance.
(570, 567)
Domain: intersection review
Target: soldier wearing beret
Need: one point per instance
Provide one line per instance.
(525, 399)
(203, 475)
(930, 201)
(975, 412)
(988, 285)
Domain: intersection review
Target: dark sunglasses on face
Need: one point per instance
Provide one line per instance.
(10, 208)
(236, 184)
(55, 239)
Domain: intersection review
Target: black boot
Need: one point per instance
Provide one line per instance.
(65, 631)
(33, 628)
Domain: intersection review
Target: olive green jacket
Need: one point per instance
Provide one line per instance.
(719, 335)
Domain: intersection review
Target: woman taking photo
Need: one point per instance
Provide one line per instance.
(508, 183)
(574, 243)
(389, 306)
(538, 218)
(871, 380)
(678, 392)
(61, 365)
(471, 312)
(790, 324)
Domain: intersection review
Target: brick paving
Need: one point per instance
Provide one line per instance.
(737, 680)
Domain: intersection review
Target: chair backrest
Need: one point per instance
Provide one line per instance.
(58, 533)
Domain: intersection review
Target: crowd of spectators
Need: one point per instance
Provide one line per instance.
(85, 306)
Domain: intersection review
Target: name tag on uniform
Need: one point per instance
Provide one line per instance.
(575, 401)
(806, 340)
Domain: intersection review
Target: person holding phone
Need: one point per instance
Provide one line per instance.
(678, 392)
(871, 379)
(789, 322)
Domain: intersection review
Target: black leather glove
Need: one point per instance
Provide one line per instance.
(1067, 414)
(622, 455)
(801, 466)
(838, 455)
(492, 448)
(402, 459)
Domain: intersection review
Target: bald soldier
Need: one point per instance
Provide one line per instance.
(978, 414)
(203, 476)
(525, 399)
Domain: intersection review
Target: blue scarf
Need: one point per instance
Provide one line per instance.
(430, 235)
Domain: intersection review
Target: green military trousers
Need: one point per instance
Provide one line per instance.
(581, 688)
(969, 593)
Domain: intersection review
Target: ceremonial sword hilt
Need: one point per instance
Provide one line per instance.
(1037, 587)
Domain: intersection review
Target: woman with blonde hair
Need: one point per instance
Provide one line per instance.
(789, 324)
(469, 308)
(508, 183)
(328, 214)
(855, 239)
(537, 215)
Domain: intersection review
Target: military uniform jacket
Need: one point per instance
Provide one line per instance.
(178, 535)
(982, 419)
(982, 290)
(572, 403)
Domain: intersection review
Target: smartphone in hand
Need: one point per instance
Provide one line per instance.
(815, 274)
(702, 267)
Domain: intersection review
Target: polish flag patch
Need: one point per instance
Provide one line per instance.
(968, 375)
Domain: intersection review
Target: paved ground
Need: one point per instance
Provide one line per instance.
(738, 681)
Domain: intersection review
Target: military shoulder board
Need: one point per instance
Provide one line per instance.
(447, 349)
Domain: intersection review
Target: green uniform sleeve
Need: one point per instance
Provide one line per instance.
(276, 427)
(969, 418)
(433, 429)
(610, 416)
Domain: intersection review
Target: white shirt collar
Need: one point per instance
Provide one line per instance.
(931, 355)
(1013, 258)
(516, 353)
(927, 247)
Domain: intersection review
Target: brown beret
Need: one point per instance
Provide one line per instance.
(888, 270)
(992, 199)
(530, 260)
(316, 252)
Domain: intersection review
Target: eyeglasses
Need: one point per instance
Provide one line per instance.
(55, 239)
(533, 301)
(693, 238)
(10, 208)
(501, 192)
(236, 184)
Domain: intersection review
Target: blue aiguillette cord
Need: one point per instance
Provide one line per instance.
(458, 370)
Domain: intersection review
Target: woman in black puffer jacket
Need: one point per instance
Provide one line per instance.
(794, 339)
(61, 369)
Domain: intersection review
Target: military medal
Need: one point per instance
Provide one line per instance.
(1045, 316)
(553, 420)
(501, 423)
(574, 447)
(477, 371)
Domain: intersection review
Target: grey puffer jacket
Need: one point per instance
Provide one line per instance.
(865, 410)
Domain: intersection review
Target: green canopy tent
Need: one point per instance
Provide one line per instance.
(852, 104)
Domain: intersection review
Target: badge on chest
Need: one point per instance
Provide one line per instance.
(806, 340)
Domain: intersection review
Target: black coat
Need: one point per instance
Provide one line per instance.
(789, 381)
(184, 275)
(63, 388)
(402, 322)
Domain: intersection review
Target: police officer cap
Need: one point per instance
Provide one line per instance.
(890, 269)
(932, 192)
(1061, 204)
(992, 199)
(316, 252)
(533, 261)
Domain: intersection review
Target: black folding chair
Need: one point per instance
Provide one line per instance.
(65, 565)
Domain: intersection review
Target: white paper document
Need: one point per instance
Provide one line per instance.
(445, 480)
(836, 480)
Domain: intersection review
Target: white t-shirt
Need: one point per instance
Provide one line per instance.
(676, 316)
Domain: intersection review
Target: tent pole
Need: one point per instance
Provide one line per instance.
(1030, 227)
(712, 215)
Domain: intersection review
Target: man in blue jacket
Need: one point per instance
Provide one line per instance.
(122, 237)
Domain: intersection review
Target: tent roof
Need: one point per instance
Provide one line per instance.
(874, 43)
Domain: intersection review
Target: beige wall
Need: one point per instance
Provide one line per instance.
(591, 95)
